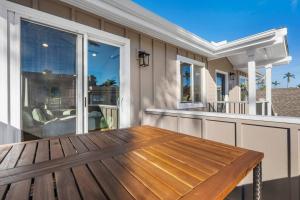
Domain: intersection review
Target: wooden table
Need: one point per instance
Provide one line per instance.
(136, 163)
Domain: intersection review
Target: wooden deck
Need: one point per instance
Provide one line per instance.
(136, 163)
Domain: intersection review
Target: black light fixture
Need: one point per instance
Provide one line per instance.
(143, 58)
(232, 76)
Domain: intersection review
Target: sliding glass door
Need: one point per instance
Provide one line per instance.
(103, 86)
(71, 83)
(48, 81)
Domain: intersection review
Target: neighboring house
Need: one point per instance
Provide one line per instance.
(285, 101)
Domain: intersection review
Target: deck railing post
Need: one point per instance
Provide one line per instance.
(257, 182)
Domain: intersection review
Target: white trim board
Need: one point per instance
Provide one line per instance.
(290, 120)
(186, 105)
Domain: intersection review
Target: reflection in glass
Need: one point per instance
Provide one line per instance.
(197, 83)
(244, 88)
(48, 66)
(103, 86)
(221, 87)
(185, 76)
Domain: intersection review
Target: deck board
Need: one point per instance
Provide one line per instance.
(136, 163)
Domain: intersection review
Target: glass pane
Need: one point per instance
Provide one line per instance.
(48, 66)
(104, 84)
(221, 87)
(244, 88)
(185, 74)
(197, 83)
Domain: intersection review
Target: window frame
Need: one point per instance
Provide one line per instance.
(192, 63)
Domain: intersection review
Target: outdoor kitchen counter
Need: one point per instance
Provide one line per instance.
(136, 163)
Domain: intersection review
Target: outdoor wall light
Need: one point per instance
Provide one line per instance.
(45, 45)
(232, 76)
(143, 58)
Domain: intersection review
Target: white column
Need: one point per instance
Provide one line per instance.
(252, 84)
(269, 87)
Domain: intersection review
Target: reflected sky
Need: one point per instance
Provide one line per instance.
(103, 62)
(47, 49)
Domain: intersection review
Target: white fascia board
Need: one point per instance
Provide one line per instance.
(128, 13)
(195, 114)
(274, 62)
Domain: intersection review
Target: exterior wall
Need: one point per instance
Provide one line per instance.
(279, 141)
(152, 86)
(222, 64)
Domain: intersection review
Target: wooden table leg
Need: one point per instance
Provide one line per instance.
(257, 182)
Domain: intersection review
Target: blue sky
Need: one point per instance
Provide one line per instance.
(232, 19)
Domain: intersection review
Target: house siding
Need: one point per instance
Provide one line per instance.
(152, 86)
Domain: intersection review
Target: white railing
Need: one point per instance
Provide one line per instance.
(236, 107)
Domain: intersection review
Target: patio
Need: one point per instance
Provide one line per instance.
(136, 163)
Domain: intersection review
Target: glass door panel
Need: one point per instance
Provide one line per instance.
(221, 91)
(103, 86)
(48, 85)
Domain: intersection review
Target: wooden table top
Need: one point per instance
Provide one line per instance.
(137, 163)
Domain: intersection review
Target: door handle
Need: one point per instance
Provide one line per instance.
(84, 101)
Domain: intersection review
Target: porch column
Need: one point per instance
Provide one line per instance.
(252, 84)
(269, 88)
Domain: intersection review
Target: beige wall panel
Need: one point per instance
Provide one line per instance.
(182, 52)
(190, 126)
(87, 19)
(114, 28)
(27, 3)
(151, 120)
(170, 84)
(190, 55)
(147, 75)
(273, 143)
(56, 8)
(219, 131)
(165, 122)
(135, 77)
(159, 68)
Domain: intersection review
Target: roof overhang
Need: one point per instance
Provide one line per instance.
(270, 45)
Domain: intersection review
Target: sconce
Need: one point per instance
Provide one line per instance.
(231, 76)
(143, 58)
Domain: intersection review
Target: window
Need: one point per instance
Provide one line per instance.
(48, 86)
(243, 82)
(191, 82)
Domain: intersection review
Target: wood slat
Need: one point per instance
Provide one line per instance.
(4, 151)
(178, 164)
(88, 187)
(108, 182)
(55, 149)
(162, 190)
(132, 185)
(12, 157)
(43, 185)
(79, 146)
(221, 184)
(21, 189)
(161, 174)
(88, 143)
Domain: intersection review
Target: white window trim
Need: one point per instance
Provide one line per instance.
(182, 105)
(87, 32)
(240, 92)
(226, 84)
